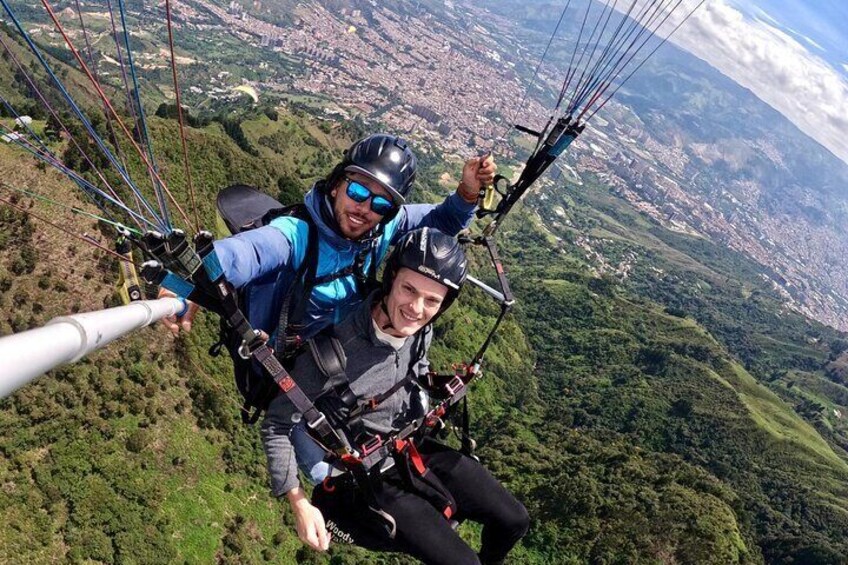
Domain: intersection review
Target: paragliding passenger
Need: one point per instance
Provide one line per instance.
(367, 375)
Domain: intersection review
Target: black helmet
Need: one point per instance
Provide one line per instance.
(385, 158)
(435, 255)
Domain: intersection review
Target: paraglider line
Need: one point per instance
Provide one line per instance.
(623, 59)
(103, 96)
(629, 76)
(72, 209)
(603, 60)
(180, 114)
(86, 186)
(74, 106)
(111, 128)
(59, 121)
(511, 122)
(68, 232)
(141, 123)
(580, 80)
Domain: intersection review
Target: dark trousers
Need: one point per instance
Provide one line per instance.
(422, 530)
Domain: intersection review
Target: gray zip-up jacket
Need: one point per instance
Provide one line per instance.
(373, 367)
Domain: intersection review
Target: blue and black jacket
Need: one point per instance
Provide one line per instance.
(264, 262)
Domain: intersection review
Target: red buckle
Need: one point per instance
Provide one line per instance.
(435, 416)
(372, 403)
(326, 484)
(350, 460)
(371, 445)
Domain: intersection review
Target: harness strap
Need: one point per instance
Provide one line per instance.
(468, 444)
(314, 418)
(369, 483)
(253, 347)
(414, 457)
(349, 270)
(372, 403)
(291, 319)
(417, 478)
(304, 281)
(329, 356)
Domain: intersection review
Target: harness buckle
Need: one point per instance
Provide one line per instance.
(350, 460)
(294, 341)
(320, 421)
(246, 348)
(371, 445)
(435, 417)
(455, 385)
(435, 422)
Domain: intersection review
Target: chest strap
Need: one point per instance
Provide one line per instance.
(329, 356)
(296, 300)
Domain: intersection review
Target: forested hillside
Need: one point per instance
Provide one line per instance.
(650, 400)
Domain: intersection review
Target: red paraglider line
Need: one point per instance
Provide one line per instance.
(66, 231)
(180, 113)
(111, 109)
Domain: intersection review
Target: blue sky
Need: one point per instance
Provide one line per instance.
(792, 54)
(821, 25)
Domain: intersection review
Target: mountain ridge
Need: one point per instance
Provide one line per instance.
(638, 401)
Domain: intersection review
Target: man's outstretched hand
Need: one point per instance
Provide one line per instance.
(476, 174)
(174, 323)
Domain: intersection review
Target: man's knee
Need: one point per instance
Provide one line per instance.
(522, 521)
(516, 522)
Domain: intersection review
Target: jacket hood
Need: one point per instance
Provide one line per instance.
(321, 210)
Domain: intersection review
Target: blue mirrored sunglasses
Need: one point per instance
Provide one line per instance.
(359, 193)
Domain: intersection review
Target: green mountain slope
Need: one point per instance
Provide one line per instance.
(610, 362)
(641, 418)
(116, 459)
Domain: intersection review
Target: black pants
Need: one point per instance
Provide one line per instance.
(421, 529)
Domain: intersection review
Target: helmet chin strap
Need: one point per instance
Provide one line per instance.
(385, 310)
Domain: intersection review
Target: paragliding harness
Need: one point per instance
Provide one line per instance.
(244, 208)
(361, 457)
(371, 455)
(451, 387)
(365, 463)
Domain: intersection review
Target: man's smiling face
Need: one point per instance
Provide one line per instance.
(412, 302)
(356, 219)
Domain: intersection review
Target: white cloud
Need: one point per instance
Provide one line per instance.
(813, 43)
(774, 66)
